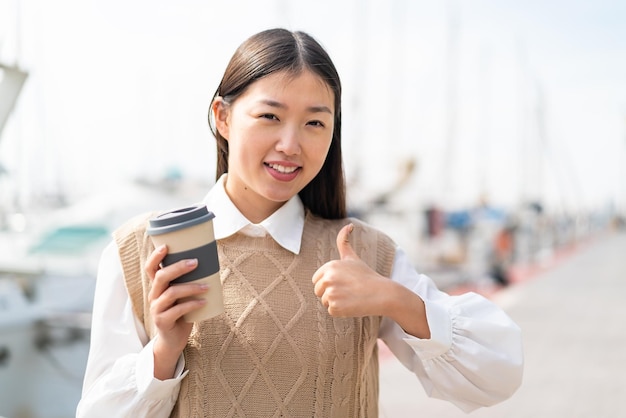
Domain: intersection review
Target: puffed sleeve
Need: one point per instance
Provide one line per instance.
(119, 378)
(474, 357)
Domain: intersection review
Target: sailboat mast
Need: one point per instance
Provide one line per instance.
(450, 131)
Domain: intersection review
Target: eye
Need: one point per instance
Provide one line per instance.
(316, 123)
(269, 116)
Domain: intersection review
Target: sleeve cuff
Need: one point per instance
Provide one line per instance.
(152, 387)
(440, 325)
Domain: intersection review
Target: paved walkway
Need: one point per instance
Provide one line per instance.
(573, 318)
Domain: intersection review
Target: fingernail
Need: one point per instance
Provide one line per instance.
(203, 286)
(191, 262)
(161, 248)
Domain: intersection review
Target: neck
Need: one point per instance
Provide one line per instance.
(254, 212)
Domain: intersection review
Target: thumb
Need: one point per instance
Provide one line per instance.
(343, 243)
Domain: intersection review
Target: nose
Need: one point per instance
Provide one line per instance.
(289, 141)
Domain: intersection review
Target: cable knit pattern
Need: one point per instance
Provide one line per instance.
(275, 352)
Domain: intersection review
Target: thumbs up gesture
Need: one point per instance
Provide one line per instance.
(348, 287)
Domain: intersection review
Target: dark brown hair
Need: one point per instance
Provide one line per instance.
(275, 50)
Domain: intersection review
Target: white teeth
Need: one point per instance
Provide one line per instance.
(282, 168)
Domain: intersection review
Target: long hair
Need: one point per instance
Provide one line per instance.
(275, 50)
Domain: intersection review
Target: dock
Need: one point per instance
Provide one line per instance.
(573, 318)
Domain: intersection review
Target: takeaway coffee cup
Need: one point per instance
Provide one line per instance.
(188, 233)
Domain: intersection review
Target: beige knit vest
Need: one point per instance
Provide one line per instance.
(275, 352)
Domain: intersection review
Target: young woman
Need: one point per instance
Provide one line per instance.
(307, 291)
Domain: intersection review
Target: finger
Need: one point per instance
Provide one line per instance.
(177, 294)
(154, 260)
(319, 286)
(343, 243)
(325, 272)
(167, 318)
(165, 275)
(319, 273)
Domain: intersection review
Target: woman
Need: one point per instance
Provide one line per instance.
(307, 292)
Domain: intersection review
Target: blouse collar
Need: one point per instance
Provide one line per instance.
(285, 225)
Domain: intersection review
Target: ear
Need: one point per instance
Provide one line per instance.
(221, 116)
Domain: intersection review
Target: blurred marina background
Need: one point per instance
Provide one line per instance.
(486, 137)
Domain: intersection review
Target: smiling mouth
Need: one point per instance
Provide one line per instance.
(282, 169)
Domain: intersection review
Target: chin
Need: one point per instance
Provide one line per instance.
(281, 196)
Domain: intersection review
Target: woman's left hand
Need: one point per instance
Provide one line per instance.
(348, 287)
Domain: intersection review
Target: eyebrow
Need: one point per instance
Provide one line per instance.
(311, 109)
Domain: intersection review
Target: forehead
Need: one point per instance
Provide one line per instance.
(286, 87)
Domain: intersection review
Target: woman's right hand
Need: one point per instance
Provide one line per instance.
(167, 310)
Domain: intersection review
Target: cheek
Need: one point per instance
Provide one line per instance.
(239, 153)
(244, 147)
(322, 151)
(317, 156)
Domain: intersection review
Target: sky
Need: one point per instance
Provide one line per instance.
(509, 100)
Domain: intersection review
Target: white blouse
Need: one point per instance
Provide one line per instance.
(474, 356)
